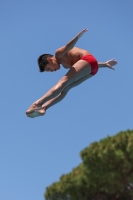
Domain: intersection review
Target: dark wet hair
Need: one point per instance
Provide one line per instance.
(42, 61)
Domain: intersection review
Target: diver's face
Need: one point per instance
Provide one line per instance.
(52, 66)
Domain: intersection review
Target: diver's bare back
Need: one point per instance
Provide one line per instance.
(72, 56)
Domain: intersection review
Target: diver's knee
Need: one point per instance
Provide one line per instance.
(65, 91)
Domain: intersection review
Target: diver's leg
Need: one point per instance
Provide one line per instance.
(57, 99)
(79, 70)
(61, 96)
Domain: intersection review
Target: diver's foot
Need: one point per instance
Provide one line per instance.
(32, 108)
(35, 111)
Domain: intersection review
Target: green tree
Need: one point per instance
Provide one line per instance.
(106, 172)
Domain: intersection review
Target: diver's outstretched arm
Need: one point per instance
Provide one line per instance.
(61, 51)
(109, 64)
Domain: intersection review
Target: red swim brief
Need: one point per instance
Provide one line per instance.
(93, 62)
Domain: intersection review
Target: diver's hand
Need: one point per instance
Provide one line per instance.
(82, 32)
(111, 63)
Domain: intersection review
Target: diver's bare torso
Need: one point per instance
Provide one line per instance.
(71, 57)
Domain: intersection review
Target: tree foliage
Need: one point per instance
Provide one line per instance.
(106, 172)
